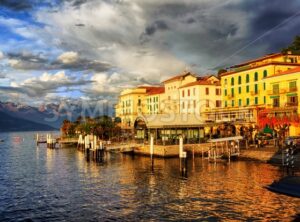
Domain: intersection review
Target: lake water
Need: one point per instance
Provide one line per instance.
(40, 184)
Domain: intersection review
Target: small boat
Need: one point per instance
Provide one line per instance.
(289, 185)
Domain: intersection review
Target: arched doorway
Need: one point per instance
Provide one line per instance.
(140, 129)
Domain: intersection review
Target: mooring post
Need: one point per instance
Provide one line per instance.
(152, 151)
(182, 157)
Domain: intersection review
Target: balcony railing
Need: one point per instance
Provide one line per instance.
(291, 104)
(293, 89)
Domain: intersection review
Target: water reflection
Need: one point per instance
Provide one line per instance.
(59, 184)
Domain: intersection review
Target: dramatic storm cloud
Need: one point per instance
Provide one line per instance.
(93, 49)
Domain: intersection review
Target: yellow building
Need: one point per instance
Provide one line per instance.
(244, 90)
(243, 85)
(171, 97)
(201, 95)
(282, 99)
(154, 100)
(132, 103)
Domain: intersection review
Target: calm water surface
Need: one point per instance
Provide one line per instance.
(40, 184)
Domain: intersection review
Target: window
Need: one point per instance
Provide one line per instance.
(240, 90)
(207, 103)
(225, 82)
(150, 100)
(194, 104)
(182, 93)
(218, 92)
(194, 91)
(276, 102)
(292, 100)
(232, 103)
(264, 86)
(139, 102)
(188, 104)
(207, 91)
(247, 78)
(255, 88)
(264, 100)
(247, 89)
(265, 73)
(225, 104)
(218, 103)
(255, 76)
(240, 102)
(276, 89)
(189, 92)
(183, 105)
(256, 100)
(232, 81)
(293, 86)
(240, 80)
(247, 101)
(232, 91)
(225, 92)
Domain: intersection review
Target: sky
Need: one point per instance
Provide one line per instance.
(57, 50)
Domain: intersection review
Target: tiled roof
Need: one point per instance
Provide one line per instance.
(201, 82)
(156, 90)
(178, 77)
(257, 60)
(258, 66)
(290, 71)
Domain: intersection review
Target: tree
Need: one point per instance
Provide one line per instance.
(294, 47)
(221, 71)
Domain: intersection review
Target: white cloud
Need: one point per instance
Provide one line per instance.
(68, 57)
(13, 62)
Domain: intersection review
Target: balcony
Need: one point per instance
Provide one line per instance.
(291, 104)
(293, 89)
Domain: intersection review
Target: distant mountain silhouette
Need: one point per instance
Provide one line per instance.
(51, 114)
(9, 123)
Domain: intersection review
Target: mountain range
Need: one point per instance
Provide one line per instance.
(48, 115)
(9, 123)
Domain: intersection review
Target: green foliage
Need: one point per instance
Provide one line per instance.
(102, 126)
(294, 47)
(221, 71)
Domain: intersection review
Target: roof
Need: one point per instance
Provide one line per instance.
(203, 80)
(172, 121)
(178, 77)
(290, 71)
(156, 90)
(273, 55)
(258, 66)
(149, 88)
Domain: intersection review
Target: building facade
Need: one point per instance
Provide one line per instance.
(244, 87)
(282, 104)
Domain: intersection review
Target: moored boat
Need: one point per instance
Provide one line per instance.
(289, 185)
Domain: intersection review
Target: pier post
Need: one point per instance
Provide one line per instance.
(152, 150)
(182, 158)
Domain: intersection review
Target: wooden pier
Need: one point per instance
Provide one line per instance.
(54, 141)
(224, 148)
